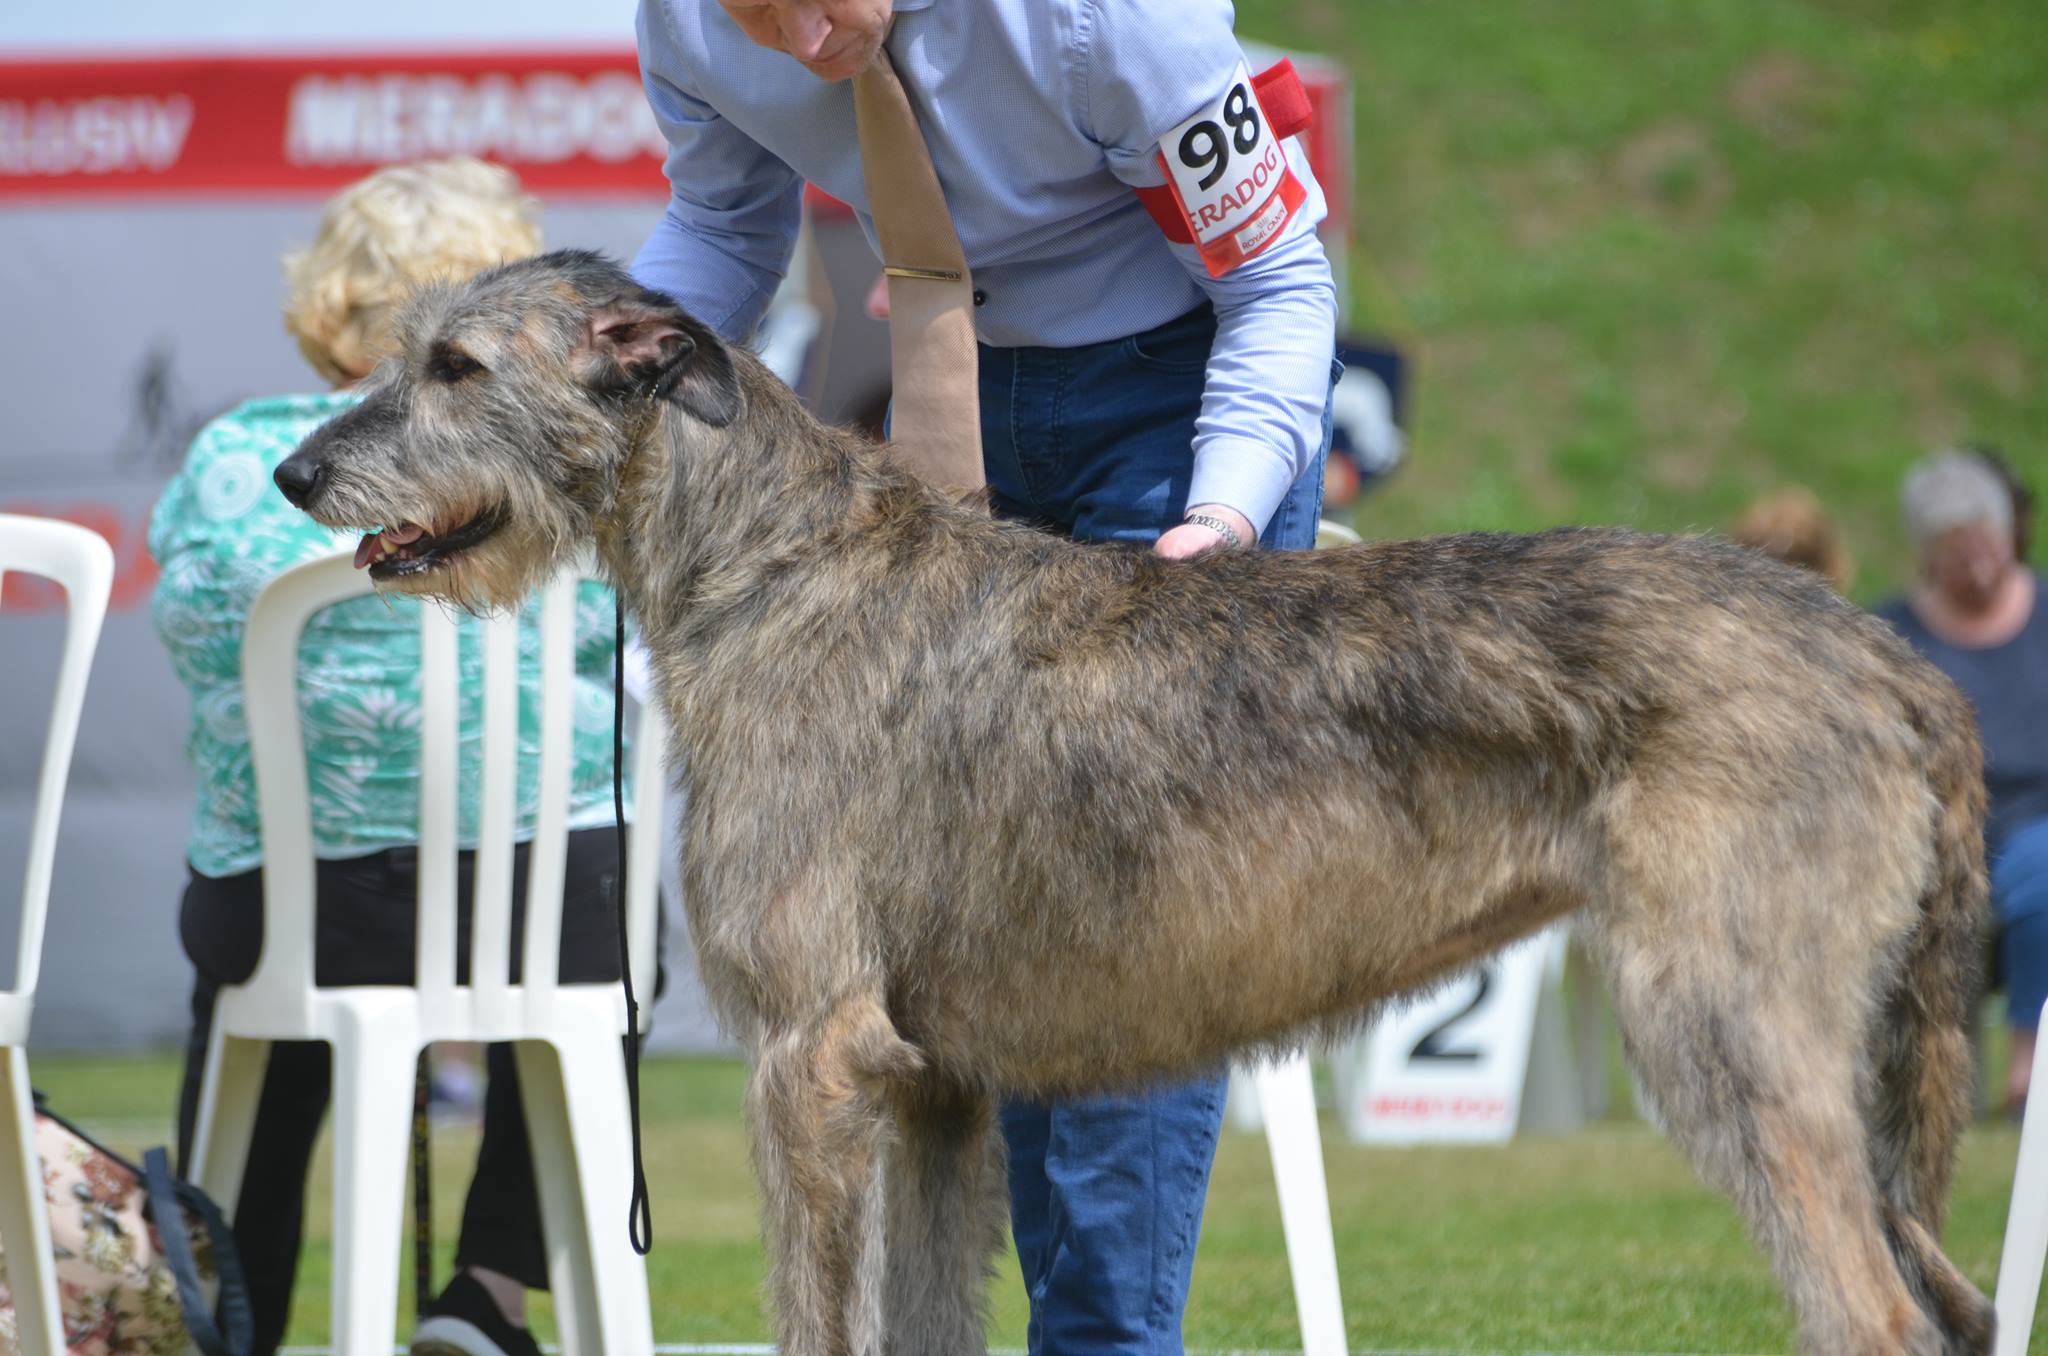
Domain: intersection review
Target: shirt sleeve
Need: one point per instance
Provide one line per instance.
(724, 243)
(1150, 65)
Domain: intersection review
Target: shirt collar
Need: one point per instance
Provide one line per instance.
(906, 6)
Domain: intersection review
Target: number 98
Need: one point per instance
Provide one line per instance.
(1205, 144)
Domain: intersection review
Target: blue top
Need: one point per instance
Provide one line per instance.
(221, 532)
(2008, 684)
(1041, 116)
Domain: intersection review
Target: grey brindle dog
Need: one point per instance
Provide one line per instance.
(979, 812)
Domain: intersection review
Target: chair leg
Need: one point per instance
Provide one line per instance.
(1287, 1097)
(374, 1057)
(575, 1101)
(230, 1089)
(2026, 1224)
(24, 1215)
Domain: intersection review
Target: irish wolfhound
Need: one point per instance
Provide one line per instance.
(978, 812)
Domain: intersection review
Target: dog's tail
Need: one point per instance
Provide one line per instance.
(1925, 1069)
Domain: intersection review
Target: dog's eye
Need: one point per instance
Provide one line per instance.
(452, 365)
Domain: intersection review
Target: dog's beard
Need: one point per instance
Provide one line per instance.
(470, 550)
(497, 575)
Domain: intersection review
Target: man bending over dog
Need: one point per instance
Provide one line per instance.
(1061, 818)
(1131, 388)
(1057, 818)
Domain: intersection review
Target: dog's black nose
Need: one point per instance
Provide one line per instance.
(298, 476)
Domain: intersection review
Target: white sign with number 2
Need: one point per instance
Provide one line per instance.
(1450, 1068)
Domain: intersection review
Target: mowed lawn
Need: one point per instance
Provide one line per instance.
(1651, 258)
(1599, 1241)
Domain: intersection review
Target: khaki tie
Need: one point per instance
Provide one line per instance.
(935, 416)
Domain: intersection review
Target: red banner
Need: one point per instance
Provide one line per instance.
(568, 122)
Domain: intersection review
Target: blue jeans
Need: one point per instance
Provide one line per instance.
(2019, 890)
(1106, 1192)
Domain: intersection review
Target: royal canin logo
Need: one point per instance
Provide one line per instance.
(541, 118)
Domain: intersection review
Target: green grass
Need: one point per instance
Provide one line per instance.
(1596, 1241)
(1657, 256)
(1653, 258)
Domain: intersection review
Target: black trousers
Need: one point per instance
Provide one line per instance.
(364, 935)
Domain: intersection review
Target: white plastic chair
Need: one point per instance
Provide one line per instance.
(571, 1070)
(80, 561)
(2026, 1223)
(1287, 1104)
(1287, 1108)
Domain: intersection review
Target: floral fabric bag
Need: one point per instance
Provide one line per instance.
(126, 1285)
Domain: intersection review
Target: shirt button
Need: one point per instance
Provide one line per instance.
(980, 297)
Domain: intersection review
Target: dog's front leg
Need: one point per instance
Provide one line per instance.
(947, 1207)
(819, 1111)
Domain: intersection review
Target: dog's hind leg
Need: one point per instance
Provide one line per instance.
(1756, 1082)
(818, 1106)
(1925, 1067)
(947, 1202)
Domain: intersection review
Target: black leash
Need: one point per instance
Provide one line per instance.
(422, 1187)
(640, 1214)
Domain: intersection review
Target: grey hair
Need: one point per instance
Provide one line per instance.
(1954, 489)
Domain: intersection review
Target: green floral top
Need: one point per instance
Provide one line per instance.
(220, 533)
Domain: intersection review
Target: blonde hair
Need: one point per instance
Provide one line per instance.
(382, 236)
(1791, 525)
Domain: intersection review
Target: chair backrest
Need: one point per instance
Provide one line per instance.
(79, 560)
(270, 661)
(1331, 533)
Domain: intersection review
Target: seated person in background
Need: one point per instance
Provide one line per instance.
(1790, 524)
(220, 533)
(1976, 613)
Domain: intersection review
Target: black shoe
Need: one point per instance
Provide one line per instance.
(464, 1321)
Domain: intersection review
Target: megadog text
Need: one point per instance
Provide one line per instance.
(544, 117)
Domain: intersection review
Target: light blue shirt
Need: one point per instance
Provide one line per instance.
(1042, 116)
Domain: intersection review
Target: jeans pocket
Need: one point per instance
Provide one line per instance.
(1180, 345)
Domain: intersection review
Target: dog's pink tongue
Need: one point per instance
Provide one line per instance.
(372, 543)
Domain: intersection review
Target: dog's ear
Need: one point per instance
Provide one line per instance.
(647, 346)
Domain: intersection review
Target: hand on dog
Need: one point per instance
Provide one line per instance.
(1191, 539)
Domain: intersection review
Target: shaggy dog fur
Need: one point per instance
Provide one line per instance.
(978, 812)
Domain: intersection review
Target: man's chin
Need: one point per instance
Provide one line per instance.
(844, 65)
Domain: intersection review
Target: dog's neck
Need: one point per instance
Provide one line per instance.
(702, 519)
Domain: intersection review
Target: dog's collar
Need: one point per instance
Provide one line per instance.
(647, 405)
(664, 383)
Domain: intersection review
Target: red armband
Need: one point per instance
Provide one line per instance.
(1229, 189)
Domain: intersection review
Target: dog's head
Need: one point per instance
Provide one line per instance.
(488, 445)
